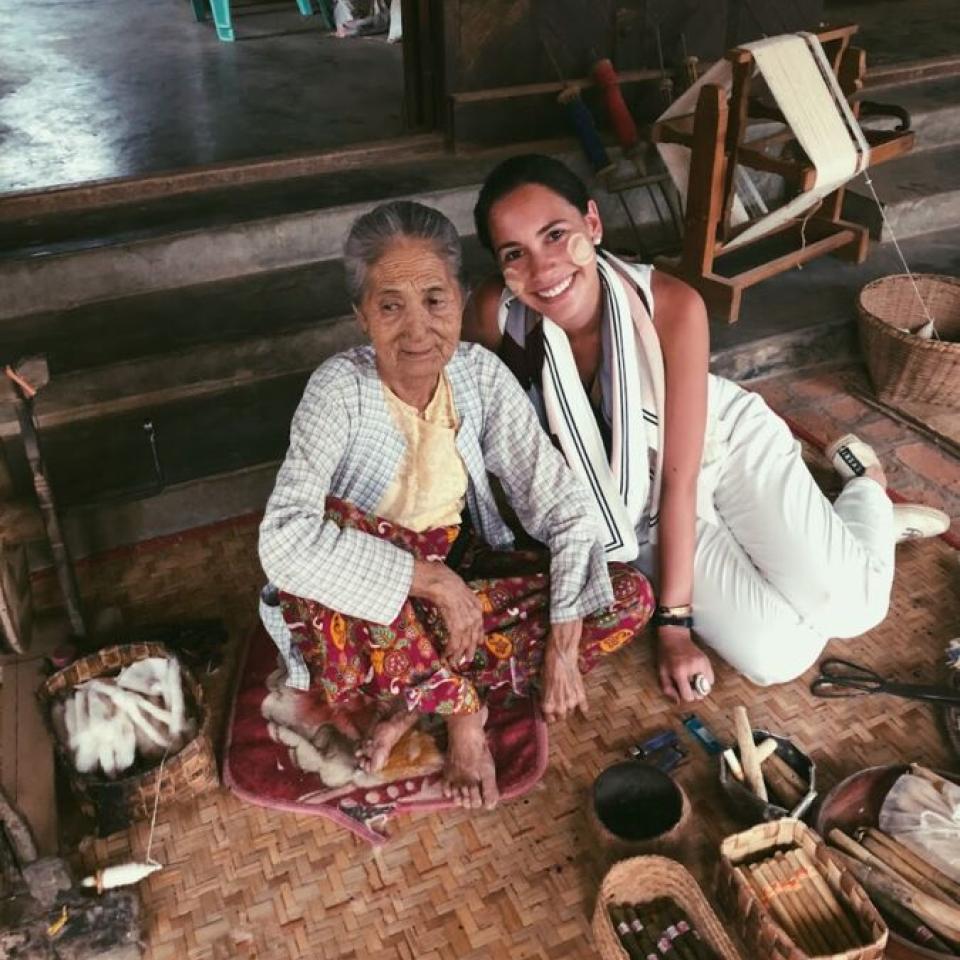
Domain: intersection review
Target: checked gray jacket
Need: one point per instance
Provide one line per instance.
(343, 442)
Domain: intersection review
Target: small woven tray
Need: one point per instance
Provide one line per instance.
(114, 804)
(757, 927)
(643, 879)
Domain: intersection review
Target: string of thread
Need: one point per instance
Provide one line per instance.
(156, 806)
(903, 259)
(803, 227)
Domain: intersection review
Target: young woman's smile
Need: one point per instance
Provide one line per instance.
(545, 248)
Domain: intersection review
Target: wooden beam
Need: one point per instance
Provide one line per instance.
(27, 751)
(551, 86)
(704, 191)
(736, 128)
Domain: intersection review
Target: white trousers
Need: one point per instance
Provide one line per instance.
(784, 570)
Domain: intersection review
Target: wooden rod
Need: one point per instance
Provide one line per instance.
(766, 749)
(898, 866)
(906, 854)
(772, 901)
(815, 908)
(787, 795)
(813, 939)
(939, 916)
(908, 924)
(829, 898)
(748, 752)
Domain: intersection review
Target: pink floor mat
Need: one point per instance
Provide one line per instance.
(291, 750)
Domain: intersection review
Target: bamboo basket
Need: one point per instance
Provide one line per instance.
(642, 879)
(757, 927)
(902, 365)
(114, 804)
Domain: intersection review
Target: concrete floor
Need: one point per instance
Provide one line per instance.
(113, 88)
(899, 31)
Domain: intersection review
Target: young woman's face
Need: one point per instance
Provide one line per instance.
(546, 250)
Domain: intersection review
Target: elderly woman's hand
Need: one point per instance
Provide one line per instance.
(458, 605)
(563, 689)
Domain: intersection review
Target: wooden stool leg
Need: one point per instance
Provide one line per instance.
(222, 19)
(326, 13)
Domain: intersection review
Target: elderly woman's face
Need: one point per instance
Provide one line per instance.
(411, 310)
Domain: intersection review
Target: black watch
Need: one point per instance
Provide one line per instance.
(671, 620)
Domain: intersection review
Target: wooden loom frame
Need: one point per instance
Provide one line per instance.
(715, 139)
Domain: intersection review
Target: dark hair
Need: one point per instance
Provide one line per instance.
(519, 171)
(372, 234)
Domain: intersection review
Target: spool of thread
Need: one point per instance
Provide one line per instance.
(581, 121)
(617, 111)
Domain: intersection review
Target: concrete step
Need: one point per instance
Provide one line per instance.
(222, 313)
(920, 193)
(933, 105)
(52, 264)
(58, 262)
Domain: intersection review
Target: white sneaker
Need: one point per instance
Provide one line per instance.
(912, 521)
(851, 457)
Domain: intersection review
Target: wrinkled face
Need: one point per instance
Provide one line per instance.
(411, 309)
(545, 248)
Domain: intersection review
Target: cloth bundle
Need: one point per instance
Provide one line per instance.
(925, 816)
(107, 724)
(354, 18)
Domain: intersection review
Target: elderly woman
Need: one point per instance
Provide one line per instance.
(382, 585)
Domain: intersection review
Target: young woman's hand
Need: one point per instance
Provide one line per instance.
(679, 660)
(458, 605)
(563, 689)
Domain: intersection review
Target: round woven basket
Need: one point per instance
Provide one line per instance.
(114, 804)
(642, 879)
(902, 365)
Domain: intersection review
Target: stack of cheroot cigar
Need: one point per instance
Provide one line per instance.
(759, 767)
(917, 900)
(649, 931)
(799, 898)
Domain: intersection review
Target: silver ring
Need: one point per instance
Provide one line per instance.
(701, 685)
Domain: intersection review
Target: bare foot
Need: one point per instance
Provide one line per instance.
(470, 777)
(374, 751)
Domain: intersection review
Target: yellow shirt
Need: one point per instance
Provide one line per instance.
(431, 482)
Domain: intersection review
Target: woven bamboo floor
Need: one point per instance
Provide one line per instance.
(519, 882)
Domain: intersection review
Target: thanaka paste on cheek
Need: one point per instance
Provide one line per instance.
(580, 249)
(514, 282)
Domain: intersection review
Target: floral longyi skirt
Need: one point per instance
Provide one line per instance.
(347, 656)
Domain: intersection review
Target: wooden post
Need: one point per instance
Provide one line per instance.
(707, 168)
(742, 64)
(29, 377)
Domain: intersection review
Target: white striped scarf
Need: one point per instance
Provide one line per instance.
(626, 485)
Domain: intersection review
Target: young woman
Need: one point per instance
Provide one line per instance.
(698, 483)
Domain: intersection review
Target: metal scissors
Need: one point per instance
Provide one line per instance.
(841, 678)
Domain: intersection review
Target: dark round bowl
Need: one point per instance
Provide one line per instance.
(856, 802)
(637, 808)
